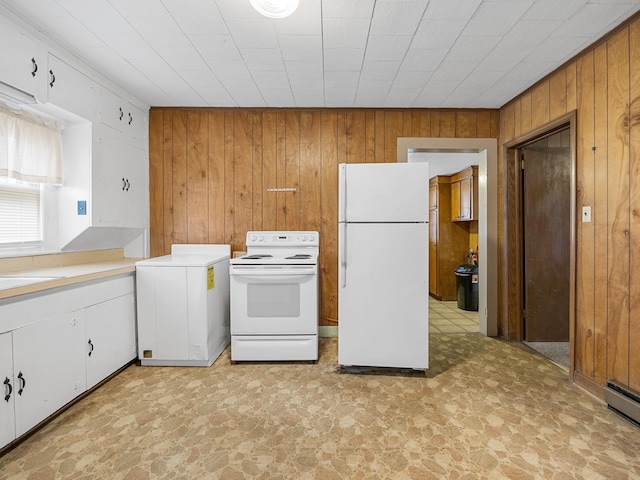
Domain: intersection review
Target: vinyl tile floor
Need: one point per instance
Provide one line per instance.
(446, 317)
(484, 410)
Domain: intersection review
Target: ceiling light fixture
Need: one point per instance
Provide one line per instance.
(275, 8)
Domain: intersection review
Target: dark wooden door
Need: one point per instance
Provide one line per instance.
(546, 238)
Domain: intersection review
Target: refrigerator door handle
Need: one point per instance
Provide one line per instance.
(343, 256)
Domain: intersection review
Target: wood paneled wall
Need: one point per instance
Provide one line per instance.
(603, 85)
(211, 168)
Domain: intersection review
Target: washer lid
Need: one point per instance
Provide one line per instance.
(189, 255)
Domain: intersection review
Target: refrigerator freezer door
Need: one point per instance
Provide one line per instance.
(383, 295)
(384, 192)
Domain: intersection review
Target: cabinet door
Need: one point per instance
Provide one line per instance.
(433, 196)
(49, 367)
(69, 89)
(137, 125)
(119, 181)
(455, 201)
(110, 337)
(109, 108)
(20, 63)
(465, 198)
(135, 195)
(108, 180)
(7, 416)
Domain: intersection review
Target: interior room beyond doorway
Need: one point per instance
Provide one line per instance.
(486, 150)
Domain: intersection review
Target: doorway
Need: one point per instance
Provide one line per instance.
(546, 220)
(486, 150)
(540, 226)
(546, 184)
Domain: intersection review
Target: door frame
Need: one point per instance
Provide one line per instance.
(487, 150)
(512, 294)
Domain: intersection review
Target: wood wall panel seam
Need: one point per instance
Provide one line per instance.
(634, 154)
(585, 298)
(600, 215)
(618, 199)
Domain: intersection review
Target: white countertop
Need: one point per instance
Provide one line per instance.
(31, 281)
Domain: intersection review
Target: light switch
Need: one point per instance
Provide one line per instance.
(82, 207)
(586, 214)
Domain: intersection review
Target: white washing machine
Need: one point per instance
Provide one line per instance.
(183, 306)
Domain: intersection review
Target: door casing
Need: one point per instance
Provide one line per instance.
(546, 180)
(512, 293)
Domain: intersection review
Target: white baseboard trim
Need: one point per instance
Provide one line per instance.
(326, 331)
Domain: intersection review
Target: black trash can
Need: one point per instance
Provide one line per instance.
(467, 286)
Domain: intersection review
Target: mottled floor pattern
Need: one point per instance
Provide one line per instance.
(485, 410)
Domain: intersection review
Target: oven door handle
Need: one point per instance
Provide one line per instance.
(274, 272)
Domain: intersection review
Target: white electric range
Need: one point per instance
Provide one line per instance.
(274, 297)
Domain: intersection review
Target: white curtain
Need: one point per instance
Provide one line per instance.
(30, 147)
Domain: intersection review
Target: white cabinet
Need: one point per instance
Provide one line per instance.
(122, 116)
(110, 337)
(7, 416)
(48, 367)
(137, 123)
(110, 175)
(119, 185)
(69, 89)
(59, 344)
(22, 63)
(109, 108)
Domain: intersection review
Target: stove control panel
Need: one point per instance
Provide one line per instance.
(302, 238)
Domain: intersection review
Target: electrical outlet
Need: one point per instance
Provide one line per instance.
(82, 207)
(586, 214)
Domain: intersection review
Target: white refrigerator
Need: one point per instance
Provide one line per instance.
(383, 265)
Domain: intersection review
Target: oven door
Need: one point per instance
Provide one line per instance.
(274, 299)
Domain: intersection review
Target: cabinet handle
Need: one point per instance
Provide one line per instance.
(130, 119)
(23, 383)
(35, 67)
(121, 114)
(128, 184)
(53, 78)
(90, 345)
(124, 184)
(7, 383)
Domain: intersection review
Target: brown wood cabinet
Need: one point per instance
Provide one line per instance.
(464, 195)
(448, 241)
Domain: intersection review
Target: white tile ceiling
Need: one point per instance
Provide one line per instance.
(329, 53)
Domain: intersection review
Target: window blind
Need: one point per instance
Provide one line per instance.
(20, 221)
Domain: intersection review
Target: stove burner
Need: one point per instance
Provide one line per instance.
(257, 256)
(299, 256)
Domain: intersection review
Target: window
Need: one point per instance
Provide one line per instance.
(30, 161)
(20, 217)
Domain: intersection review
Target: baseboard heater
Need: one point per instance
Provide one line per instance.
(623, 401)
